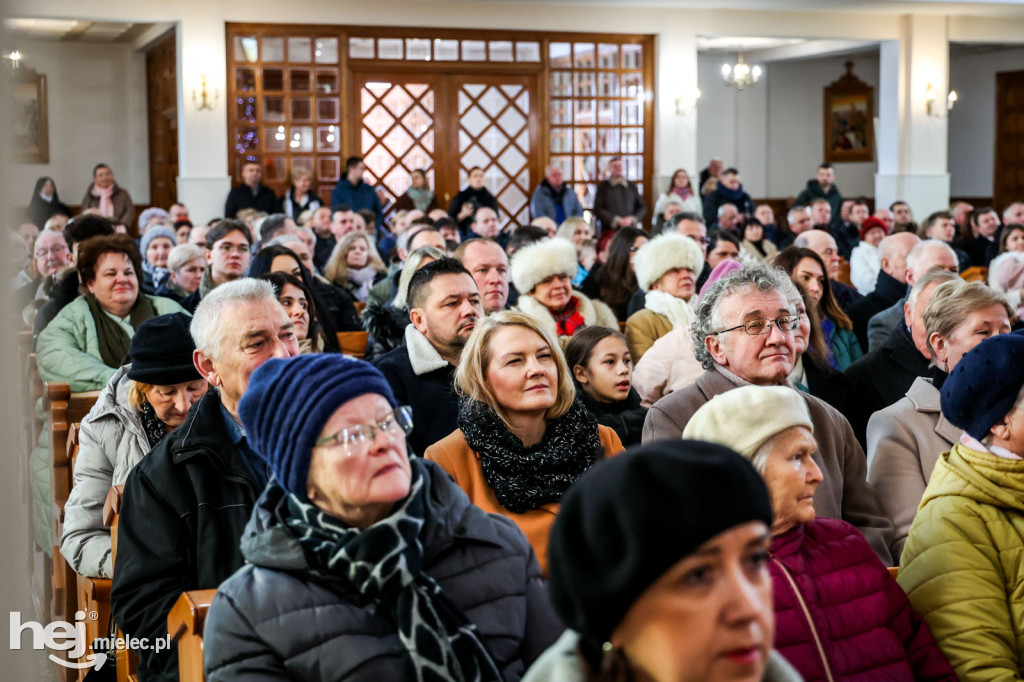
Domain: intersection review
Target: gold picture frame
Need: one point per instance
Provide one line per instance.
(31, 126)
(849, 119)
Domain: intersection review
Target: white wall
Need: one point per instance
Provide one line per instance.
(96, 108)
(972, 123)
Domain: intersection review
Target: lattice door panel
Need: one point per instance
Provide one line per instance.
(495, 133)
(397, 134)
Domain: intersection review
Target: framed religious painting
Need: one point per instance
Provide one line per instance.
(849, 119)
(31, 129)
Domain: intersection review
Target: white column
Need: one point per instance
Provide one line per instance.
(203, 180)
(912, 146)
(675, 121)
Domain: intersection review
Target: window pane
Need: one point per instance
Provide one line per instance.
(389, 48)
(632, 112)
(561, 111)
(608, 112)
(245, 109)
(302, 80)
(326, 51)
(360, 48)
(501, 50)
(330, 169)
(246, 140)
(300, 50)
(632, 84)
(586, 85)
(302, 163)
(327, 109)
(584, 112)
(273, 49)
(561, 140)
(273, 80)
(327, 81)
(632, 56)
(245, 78)
(446, 50)
(474, 51)
(583, 55)
(274, 139)
(561, 83)
(273, 108)
(301, 139)
(608, 84)
(560, 55)
(608, 140)
(527, 52)
(245, 49)
(417, 49)
(302, 109)
(275, 169)
(608, 56)
(633, 140)
(327, 140)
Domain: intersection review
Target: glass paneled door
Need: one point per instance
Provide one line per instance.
(445, 125)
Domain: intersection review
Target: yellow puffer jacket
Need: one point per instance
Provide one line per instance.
(963, 564)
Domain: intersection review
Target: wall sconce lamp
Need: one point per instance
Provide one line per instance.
(203, 102)
(686, 104)
(13, 59)
(932, 103)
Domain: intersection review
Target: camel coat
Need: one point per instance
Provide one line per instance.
(904, 442)
(463, 464)
(643, 328)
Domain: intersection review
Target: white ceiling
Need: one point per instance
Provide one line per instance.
(75, 30)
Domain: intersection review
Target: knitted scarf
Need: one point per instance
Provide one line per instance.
(158, 274)
(683, 193)
(678, 311)
(421, 198)
(106, 206)
(525, 478)
(154, 428)
(362, 279)
(569, 318)
(112, 340)
(384, 563)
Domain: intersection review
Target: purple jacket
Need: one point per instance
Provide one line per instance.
(840, 616)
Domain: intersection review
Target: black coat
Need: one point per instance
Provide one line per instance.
(827, 384)
(274, 620)
(185, 507)
(322, 252)
(477, 197)
(845, 294)
(242, 197)
(625, 417)
(435, 406)
(62, 293)
(882, 377)
(340, 307)
(385, 327)
(847, 238)
(888, 290)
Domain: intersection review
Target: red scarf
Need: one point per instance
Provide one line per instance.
(569, 320)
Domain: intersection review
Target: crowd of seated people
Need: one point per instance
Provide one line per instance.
(482, 491)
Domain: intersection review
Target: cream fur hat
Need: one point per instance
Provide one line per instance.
(538, 261)
(747, 417)
(666, 252)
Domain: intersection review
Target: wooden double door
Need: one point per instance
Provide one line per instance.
(445, 124)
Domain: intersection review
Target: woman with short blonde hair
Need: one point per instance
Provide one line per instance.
(300, 197)
(523, 437)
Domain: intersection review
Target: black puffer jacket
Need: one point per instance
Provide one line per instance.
(271, 620)
(385, 326)
(625, 417)
(186, 505)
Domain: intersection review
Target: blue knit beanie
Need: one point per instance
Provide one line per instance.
(288, 401)
(985, 384)
(153, 233)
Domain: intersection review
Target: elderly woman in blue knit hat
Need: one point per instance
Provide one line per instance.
(963, 564)
(362, 562)
(155, 246)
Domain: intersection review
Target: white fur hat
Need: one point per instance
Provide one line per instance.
(666, 252)
(777, 408)
(538, 261)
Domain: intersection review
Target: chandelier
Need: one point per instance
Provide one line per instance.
(741, 75)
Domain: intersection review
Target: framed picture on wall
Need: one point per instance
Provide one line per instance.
(849, 119)
(31, 130)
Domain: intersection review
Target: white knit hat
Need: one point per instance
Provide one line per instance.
(534, 263)
(747, 417)
(666, 252)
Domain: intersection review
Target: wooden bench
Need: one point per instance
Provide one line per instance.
(353, 343)
(127, 660)
(975, 274)
(360, 306)
(185, 625)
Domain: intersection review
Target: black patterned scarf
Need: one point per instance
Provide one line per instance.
(525, 478)
(385, 564)
(155, 429)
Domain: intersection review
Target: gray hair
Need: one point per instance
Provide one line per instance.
(953, 301)
(207, 328)
(721, 209)
(412, 264)
(920, 249)
(402, 243)
(284, 240)
(793, 211)
(762, 278)
(181, 255)
(929, 278)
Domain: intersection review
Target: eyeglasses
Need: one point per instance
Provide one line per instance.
(758, 327)
(356, 440)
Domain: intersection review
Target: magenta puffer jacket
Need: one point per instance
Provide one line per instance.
(840, 616)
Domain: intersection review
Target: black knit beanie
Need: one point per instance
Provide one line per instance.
(632, 517)
(161, 351)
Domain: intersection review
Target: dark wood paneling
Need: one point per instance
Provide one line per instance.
(162, 108)
(1008, 174)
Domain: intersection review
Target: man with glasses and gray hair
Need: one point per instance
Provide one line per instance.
(743, 335)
